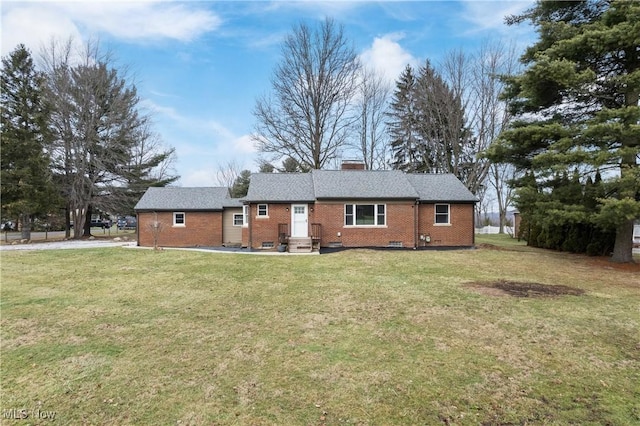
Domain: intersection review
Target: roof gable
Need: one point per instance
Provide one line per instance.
(179, 198)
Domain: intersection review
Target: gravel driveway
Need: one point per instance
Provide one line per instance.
(69, 244)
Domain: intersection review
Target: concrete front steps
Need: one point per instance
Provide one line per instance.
(300, 245)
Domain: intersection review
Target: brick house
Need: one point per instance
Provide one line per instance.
(323, 208)
(189, 217)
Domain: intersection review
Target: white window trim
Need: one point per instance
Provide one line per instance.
(234, 219)
(435, 214)
(375, 215)
(263, 216)
(184, 220)
(245, 214)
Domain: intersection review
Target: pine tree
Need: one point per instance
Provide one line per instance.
(578, 103)
(27, 188)
(402, 123)
(240, 186)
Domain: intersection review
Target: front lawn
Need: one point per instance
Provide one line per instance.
(126, 336)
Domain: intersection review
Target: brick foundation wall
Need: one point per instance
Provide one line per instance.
(459, 232)
(201, 229)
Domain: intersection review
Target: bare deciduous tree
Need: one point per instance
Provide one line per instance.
(228, 173)
(371, 103)
(490, 115)
(307, 117)
(98, 129)
(475, 79)
(156, 227)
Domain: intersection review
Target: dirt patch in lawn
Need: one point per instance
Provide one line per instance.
(523, 289)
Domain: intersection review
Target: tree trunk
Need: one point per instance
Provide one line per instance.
(67, 221)
(87, 222)
(25, 219)
(623, 247)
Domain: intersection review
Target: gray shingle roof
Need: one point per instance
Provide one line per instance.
(319, 184)
(177, 198)
(284, 187)
(370, 184)
(440, 187)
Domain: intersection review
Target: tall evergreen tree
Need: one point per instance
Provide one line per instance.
(446, 145)
(240, 186)
(27, 188)
(577, 100)
(402, 123)
(427, 126)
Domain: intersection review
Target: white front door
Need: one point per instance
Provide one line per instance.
(299, 219)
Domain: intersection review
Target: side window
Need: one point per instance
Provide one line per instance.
(263, 210)
(442, 214)
(179, 219)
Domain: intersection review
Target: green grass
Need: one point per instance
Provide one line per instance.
(121, 336)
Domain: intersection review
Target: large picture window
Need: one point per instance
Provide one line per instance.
(364, 215)
(442, 214)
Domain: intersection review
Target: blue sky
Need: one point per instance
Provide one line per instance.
(199, 65)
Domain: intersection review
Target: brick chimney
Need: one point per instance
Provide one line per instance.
(352, 165)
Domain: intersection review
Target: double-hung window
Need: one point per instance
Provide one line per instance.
(238, 219)
(179, 219)
(263, 210)
(442, 214)
(365, 215)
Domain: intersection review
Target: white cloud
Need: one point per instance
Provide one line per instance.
(34, 26)
(387, 57)
(200, 177)
(133, 21)
(202, 144)
(244, 145)
(489, 15)
(139, 20)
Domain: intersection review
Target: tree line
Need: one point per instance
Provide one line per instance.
(74, 139)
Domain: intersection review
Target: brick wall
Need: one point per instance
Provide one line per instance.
(265, 229)
(201, 229)
(205, 228)
(459, 232)
(399, 226)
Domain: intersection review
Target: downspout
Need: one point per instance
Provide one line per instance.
(473, 229)
(137, 228)
(250, 243)
(416, 221)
